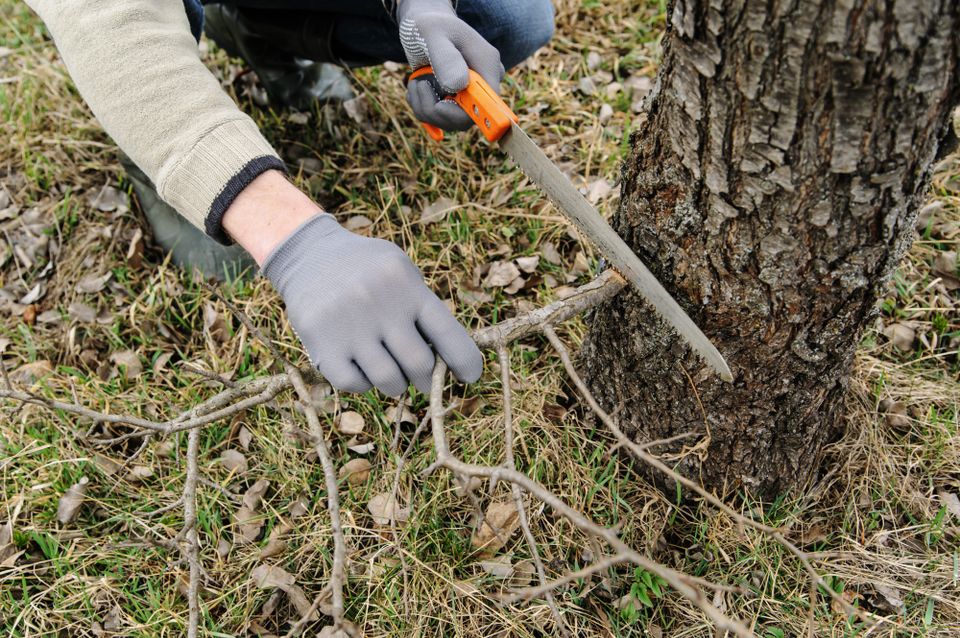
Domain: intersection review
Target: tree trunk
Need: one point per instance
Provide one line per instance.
(772, 187)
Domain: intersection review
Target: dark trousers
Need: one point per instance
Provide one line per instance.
(363, 32)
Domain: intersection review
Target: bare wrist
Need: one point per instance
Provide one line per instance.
(266, 212)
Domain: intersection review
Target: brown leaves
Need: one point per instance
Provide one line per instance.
(437, 211)
(234, 461)
(8, 550)
(499, 522)
(128, 362)
(249, 522)
(501, 273)
(109, 199)
(356, 471)
(70, 502)
(93, 283)
(901, 335)
(386, 511)
(350, 423)
(30, 373)
(275, 577)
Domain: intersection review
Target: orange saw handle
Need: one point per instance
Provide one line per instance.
(480, 102)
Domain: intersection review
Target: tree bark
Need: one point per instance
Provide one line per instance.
(772, 187)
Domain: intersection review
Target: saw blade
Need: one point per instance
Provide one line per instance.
(585, 217)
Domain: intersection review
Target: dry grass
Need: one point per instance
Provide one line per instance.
(876, 519)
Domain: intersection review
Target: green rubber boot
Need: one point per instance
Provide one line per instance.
(289, 51)
(189, 247)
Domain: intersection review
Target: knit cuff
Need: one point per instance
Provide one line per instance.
(213, 224)
(206, 180)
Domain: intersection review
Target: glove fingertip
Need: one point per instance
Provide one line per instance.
(469, 368)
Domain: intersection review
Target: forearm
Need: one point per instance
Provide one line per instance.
(137, 65)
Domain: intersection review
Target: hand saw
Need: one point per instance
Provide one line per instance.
(499, 124)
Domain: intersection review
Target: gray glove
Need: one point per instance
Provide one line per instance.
(433, 35)
(363, 312)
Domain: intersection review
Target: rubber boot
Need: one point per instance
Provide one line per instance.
(289, 51)
(189, 247)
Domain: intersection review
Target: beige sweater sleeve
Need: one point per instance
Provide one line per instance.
(137, 65)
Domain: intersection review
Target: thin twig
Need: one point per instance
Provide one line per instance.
(338, 570)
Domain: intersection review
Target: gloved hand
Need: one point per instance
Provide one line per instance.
(363, 312)
(433, 35)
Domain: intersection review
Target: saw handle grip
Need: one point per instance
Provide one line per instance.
(480, 102)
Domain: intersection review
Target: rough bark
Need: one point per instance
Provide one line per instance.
(772, 187)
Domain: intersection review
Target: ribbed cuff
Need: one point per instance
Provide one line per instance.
(213, 224)
(215, 170)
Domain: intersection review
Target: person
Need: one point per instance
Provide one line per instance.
(359, 305)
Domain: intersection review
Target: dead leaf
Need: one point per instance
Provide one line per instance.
(234, 461)
(385, 510)
(299, 118)
(597, 190)
(274, 577)
(581, 266)
(70, 502)
(550, 253)
(140, 472)
(523, 573)
(406, 416)
(249, 522)
(129, 362)
(8, 550)
(528, 264)
(275, 543)
(437, 211)
(161, 362)
(901, 335)
(357, 222)
(106, 465)
(465, 588)
(498, 567)
(30, 373)
(499, 522)
(952, 503)
(501, 273)
(111, 621)
(134, 256)
(214, 325)
(890, 597)
(109, 199)
(587, 86)
(93, 283)
(515, 286)
(944, 264)
(271, 577)
(35, 294)
(356, 471)
(470, 486)
(606, 112)
(362, 448)
(223, 548)
(638, 85)
(298, 507)
(254, 495)
(896, 413)
(81, 312)
(245, 437)
(350, 423)
(357, 108)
